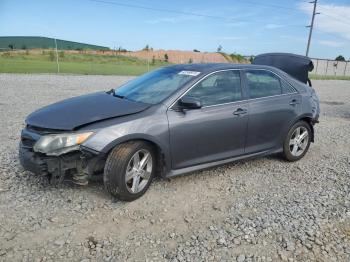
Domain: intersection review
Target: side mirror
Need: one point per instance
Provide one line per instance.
(188, 102)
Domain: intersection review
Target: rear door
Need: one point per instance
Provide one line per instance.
(273, 105)
(217, 130)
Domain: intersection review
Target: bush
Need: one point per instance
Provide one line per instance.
(52, 55)
(61, 54)
(153, 60)
(190, 61)
(340, 58)
(237, 57)
(166, 57)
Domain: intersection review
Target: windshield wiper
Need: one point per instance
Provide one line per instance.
(119, 96)
(112, 91)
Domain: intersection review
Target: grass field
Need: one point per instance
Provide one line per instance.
(45, 62)
(88, 64)
(324, 77)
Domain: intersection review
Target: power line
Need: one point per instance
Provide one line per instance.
(328, 33)
(269, 5)
(337, 19)
(263, 22)
(157, 9)
(184, 12)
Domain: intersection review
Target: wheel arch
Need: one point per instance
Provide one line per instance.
(161, 150)
(308, 119)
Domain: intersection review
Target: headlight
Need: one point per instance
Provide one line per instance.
(60, 143)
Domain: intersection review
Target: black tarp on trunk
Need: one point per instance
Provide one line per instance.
(295, 65)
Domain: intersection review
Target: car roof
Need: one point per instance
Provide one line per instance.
(210, 67)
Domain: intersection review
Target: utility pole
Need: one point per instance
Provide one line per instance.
(311, 26)
(58, 65)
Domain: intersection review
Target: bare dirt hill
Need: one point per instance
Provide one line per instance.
(179, 57)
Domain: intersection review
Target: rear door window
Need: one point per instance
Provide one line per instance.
(263, 83)
(287, 88)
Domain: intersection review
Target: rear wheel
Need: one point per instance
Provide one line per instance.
(297, 141)
(129, 170)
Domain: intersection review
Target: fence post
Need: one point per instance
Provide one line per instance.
(58, 65)
(316, 66)
(327, 67)
(346, 63)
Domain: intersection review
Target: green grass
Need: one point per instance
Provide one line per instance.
(236, 58)
(74, 64)
(323, 77)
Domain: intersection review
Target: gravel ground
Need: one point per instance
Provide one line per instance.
(258, 210)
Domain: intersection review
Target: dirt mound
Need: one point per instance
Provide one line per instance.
(179, 57)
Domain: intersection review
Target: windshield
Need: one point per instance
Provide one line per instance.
(154, 87)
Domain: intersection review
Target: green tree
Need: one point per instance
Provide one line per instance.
(153, 60)
(61, 54)
(166, 58)
(196, 50)
(121, 49)
(190, 61)
(52, 55)
(219, 49)
(340, 58)
(146, 48)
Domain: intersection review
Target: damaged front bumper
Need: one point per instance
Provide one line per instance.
(79, 165)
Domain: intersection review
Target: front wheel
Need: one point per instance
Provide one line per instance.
(297, 141)
(129, 170)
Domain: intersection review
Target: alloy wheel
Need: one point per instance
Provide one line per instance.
(299, 141)
(138, 171)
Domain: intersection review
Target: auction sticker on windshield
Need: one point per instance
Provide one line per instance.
(189, 73)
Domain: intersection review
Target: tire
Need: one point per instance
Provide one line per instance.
(120, 167)
(293, 141)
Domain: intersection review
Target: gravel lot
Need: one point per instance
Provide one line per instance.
(259, 210)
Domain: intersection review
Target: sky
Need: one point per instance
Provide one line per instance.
(247, 27)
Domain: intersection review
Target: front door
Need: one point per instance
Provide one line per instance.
(217, 130)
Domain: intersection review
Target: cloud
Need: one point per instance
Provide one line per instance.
(334, 19)
(331, 43)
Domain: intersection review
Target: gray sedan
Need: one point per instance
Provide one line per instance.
(168, 122)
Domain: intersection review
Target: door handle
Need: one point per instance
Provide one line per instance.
(294, 102)
(240, 111)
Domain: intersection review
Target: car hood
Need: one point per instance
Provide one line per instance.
(74, 112)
